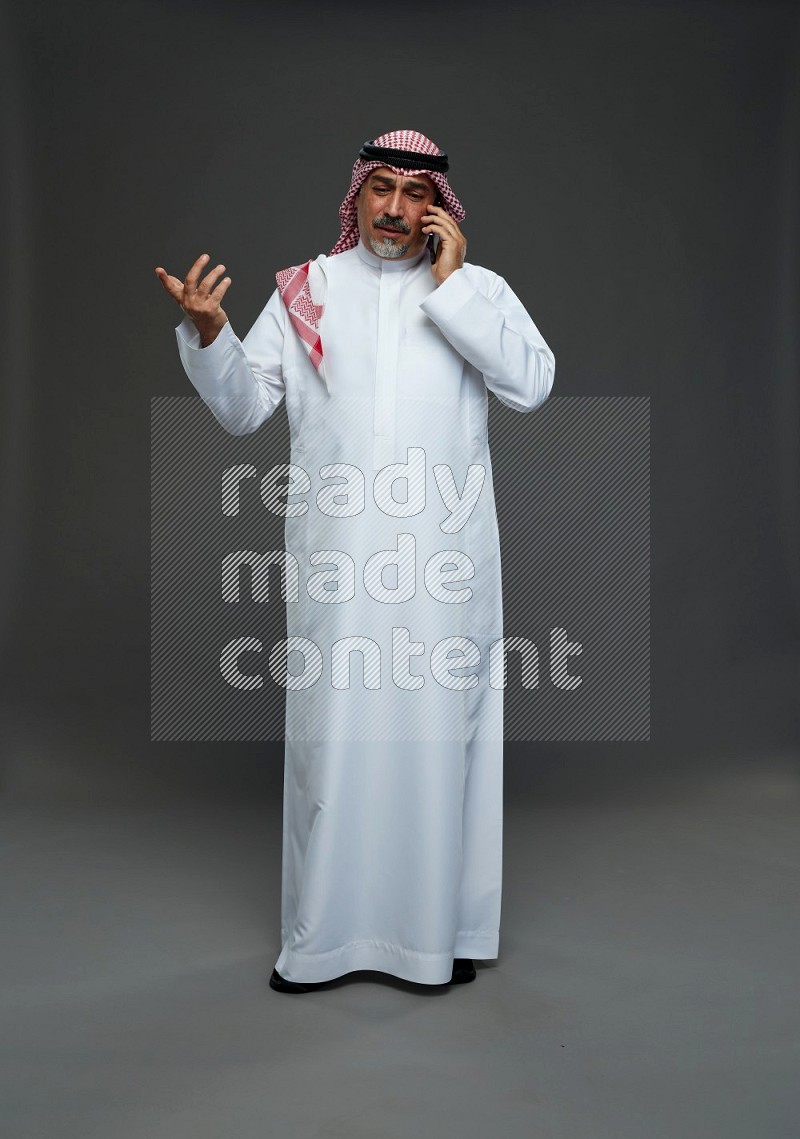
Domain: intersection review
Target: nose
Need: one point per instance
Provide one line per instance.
(394, 205)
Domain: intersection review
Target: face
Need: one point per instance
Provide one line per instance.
(390, 210)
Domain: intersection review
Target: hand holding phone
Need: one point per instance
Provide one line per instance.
(449, 244)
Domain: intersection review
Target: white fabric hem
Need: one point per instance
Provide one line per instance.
(408, 964)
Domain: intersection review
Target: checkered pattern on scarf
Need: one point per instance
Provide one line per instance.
(305, 311)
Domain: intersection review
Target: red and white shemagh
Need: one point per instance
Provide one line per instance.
(303, 287)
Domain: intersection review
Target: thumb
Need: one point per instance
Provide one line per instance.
(172, 285)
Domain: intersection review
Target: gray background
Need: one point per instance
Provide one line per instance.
(632, 171)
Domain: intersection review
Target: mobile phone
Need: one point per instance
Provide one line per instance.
(437, 201)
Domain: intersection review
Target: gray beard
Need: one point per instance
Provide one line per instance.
(385, 247)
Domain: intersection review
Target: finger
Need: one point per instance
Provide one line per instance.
(194, 272)
(172, 285)
(210, 279)
(221, 289)
(455, 243)
(446, 223)
(439, 212)
(435, 227)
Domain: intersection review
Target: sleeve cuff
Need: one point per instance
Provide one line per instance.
(205, 366)
(445, 300)
(189, 337)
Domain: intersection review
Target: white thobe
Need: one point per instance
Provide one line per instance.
(392, 807)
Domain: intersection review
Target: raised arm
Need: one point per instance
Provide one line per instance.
(489, 326)
(241, 381)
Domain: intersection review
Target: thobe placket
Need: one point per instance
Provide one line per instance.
(383, 451)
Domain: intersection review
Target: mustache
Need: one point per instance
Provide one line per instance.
(385, 222)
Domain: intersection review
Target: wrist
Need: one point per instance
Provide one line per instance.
(209, 330)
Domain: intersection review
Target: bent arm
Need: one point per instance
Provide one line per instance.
(487, 323)
(241, 381)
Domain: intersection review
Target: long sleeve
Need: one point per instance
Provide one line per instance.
(486, 322)
(241, 381)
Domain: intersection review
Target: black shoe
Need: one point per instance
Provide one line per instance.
(463, 971)
(280, 983)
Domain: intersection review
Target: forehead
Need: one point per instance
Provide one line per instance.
(383, 176)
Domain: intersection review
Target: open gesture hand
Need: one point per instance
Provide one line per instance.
(452, 243)
(200, 300)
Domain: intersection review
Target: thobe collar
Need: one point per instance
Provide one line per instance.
(387, 264)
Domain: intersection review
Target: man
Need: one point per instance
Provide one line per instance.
(385, 351)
